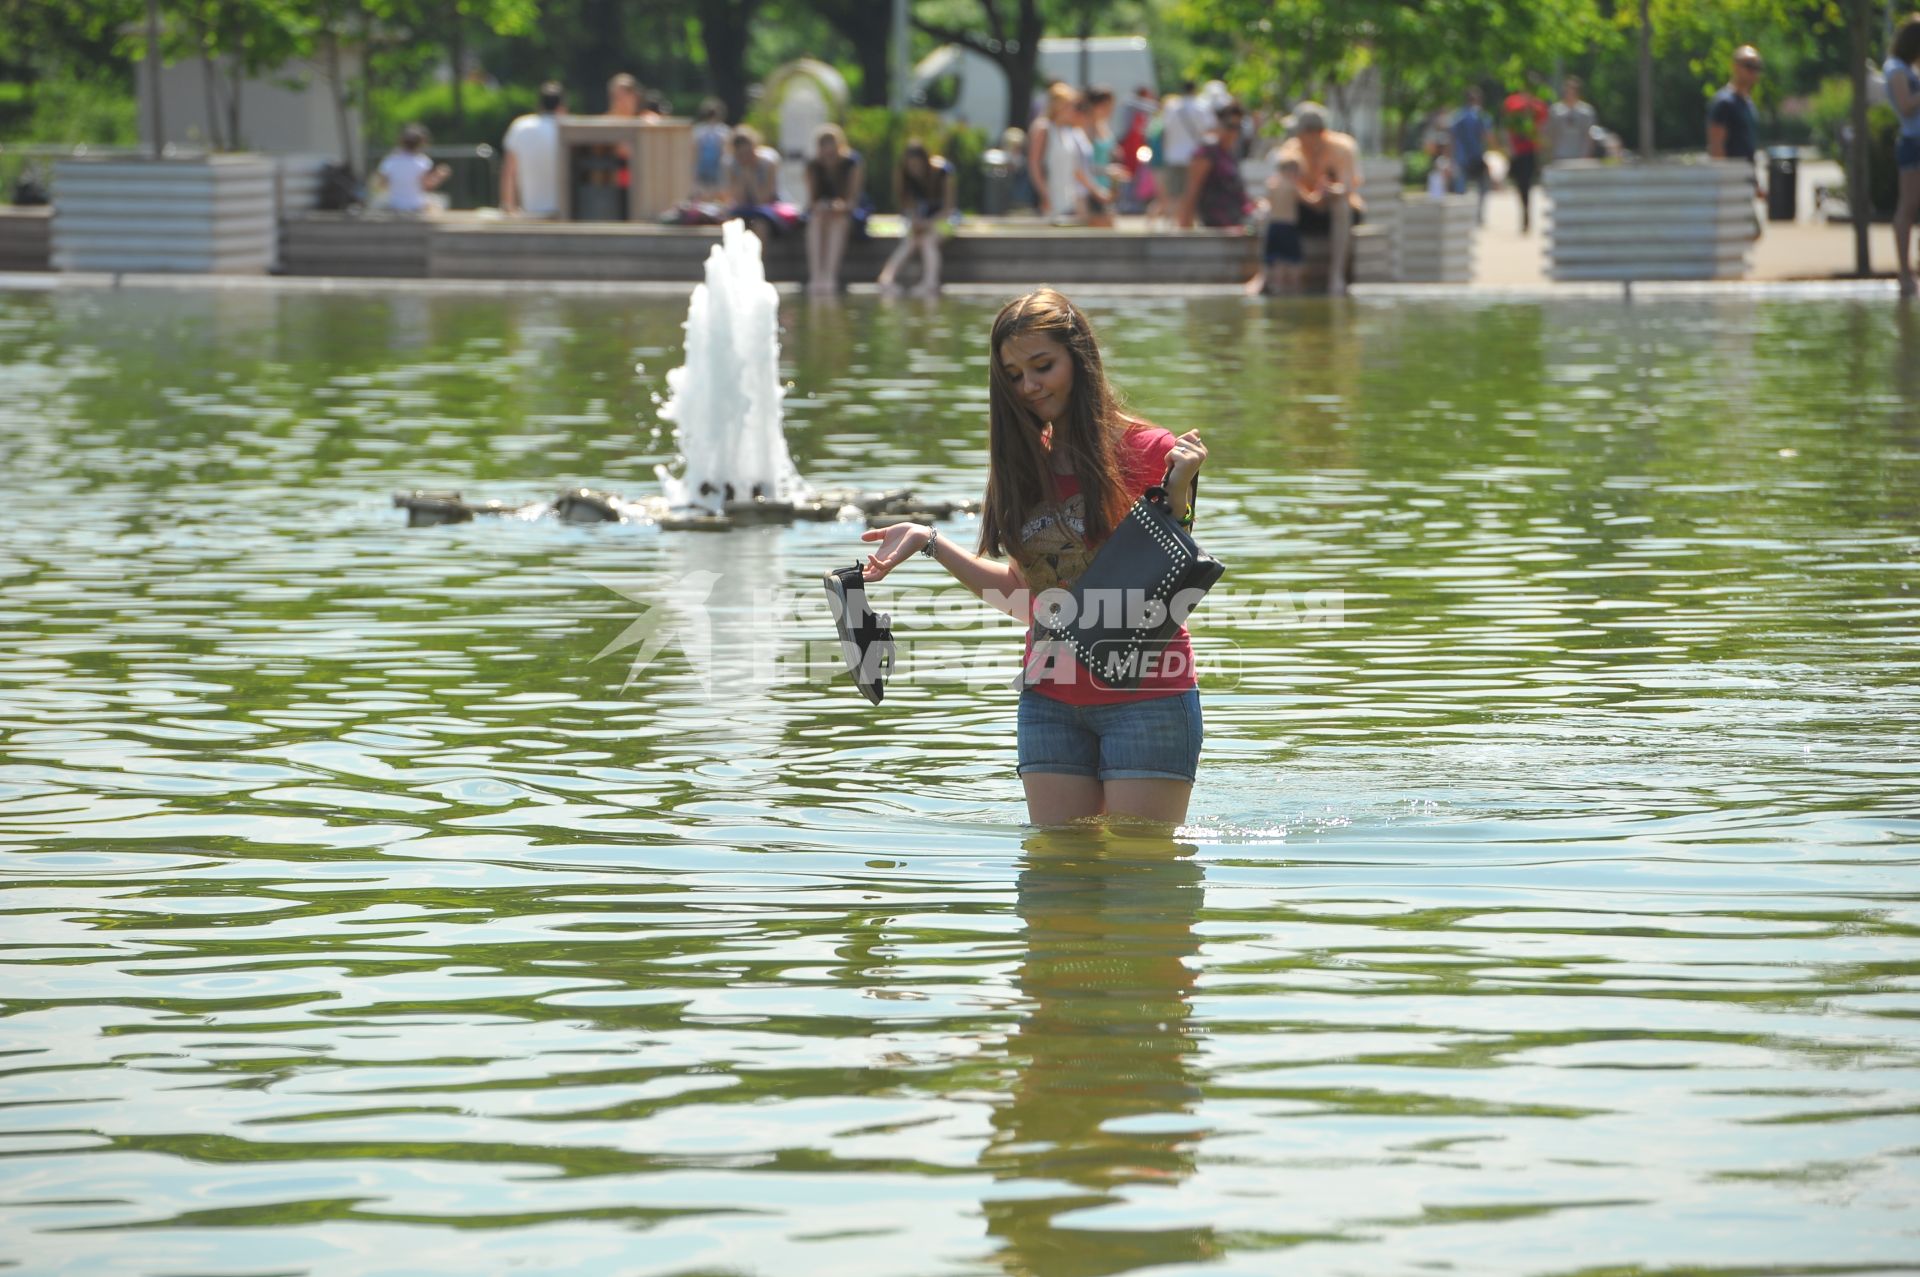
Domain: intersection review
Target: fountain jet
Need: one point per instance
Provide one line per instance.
(725, 400)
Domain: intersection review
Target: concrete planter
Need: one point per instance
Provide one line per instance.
(1376, 241)
(1683, 220)
(25, 238)
(211, 214)
(298, 180)
(1436, 239)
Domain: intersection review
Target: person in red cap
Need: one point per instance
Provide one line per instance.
(1523, 119)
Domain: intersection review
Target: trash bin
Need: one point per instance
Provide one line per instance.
(1783, 183)
(997, 196)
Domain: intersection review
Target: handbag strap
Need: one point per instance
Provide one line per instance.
(1165, 480)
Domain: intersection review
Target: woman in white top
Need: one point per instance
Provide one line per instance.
(1069, 156)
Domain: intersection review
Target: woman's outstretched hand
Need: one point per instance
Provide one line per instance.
(1188, 452)
(898, 543)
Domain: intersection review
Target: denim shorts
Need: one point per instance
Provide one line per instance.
(1906, 155)
(1156, 738)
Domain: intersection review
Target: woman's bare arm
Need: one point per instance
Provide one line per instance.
(1906, 98)
(998, 583)
(1037, 163)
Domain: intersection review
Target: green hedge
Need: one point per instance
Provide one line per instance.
(1883, 186)
(1830, 111)
(486, 116)
(880, 136)
(62, 111)
(99, 111)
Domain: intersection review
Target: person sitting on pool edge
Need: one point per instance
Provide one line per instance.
(751, 176)
(1328, 180)
(923, 188)
(1064, 464)
(835, 178)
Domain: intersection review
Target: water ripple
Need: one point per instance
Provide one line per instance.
(1556, 912)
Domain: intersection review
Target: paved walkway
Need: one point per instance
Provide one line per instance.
(1806, 249)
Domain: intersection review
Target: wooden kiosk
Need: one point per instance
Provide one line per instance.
(596, 149)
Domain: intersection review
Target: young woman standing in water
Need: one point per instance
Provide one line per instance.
(1064, 464)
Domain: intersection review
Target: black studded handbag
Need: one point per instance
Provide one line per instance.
(1135, 595)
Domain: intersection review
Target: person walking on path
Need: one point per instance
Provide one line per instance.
(1523, 119)
(1570, 125)
(1035, 152)
(530, 174)
(1184, 125)
(1054, 156)
(1064, 464)
(1105, 176)
(626, 100)
(1903, 91)
(1072, 157)
(1216, 197)
(1733, 126)
(1133, 177)
(1468, 136)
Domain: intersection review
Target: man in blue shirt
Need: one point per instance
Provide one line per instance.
(1733, 127)
(1469, 146)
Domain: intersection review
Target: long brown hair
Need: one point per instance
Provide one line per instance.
(1906, 42)
(930, 186)
(1087, 433)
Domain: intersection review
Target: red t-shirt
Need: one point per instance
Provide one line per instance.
(1525, 118)
(1143, 458)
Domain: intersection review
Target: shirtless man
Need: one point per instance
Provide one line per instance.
(1328, 179)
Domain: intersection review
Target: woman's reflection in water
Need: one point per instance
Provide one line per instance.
(1104, 1058)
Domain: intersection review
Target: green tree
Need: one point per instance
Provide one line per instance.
(726, 32)
(408, 26)
(1011, 40)
(1286, 50)
(234, 41)
(867, 28)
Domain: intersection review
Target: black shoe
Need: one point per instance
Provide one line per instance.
(866, 639)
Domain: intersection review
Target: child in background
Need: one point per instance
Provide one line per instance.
(710, 138)
(1281, 258)
(410, 177)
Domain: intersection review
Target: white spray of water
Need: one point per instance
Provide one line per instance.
(725, 400)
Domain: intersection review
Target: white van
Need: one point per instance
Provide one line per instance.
(968, 87)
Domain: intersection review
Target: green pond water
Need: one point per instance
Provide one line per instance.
(1555, 912)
